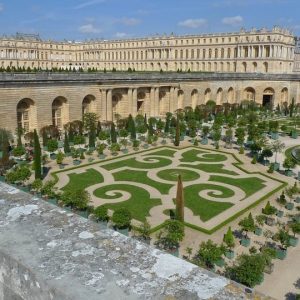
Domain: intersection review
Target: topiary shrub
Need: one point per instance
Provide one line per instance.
(101, 213)
(122, 218)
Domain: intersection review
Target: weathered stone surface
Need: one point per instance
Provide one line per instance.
(46, 253)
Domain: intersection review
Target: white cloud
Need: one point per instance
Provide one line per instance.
(193, 23)
(1, 7)
(129, 21)
(89, 28)
(121, 35)
(233, 21)
(88, 3)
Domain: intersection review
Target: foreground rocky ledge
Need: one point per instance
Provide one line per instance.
(48, 253)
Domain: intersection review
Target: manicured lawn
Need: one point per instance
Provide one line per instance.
(206, 209)
(139, 203)
(288, 153)
(210, 168)
(172, 174)
(249, 185)
(191, 156)
(132, 163)
(141, 177)
(83, 180)
(164, 152)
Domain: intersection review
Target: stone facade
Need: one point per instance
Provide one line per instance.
(254, 51)
(36, 100)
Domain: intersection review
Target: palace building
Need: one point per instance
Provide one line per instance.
(260, 65)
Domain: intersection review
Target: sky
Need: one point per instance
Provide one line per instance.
(119, 19)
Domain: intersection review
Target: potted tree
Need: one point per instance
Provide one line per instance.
(277, 147)
(122, 220)
(283, 237)
(59, 159)
(205, 132)
(247, 224)
(260, 220)
(37, 185)
(143, 232)
(100, 149)
(295, 227)
(282, 202)
(101, 215)
(289, 164)
(229, 241)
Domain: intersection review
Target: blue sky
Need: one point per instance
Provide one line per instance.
(111, 19)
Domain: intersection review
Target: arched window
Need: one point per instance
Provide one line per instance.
(25, 117)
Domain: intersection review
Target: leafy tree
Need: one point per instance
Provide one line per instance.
(295, 227)
(177, 135)
(66, 144)
(113, 134)
(208, 254)
(121, 218)
(292, 107)
(144, 230)
(283, 237)
(37, 185)
(248, 269)
(289, 163)
(52, 145)
(277, 147)
(60, 157)
(100, 148)
(37, 157)
(269, 209)
(228, 239)
(247, 224)
(78, 198)
(101, 213)
(216, 136)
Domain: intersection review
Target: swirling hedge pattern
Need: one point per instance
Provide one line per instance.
(172, 174)
(139, 201)
(202, 156)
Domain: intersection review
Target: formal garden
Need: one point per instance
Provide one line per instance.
(206, 169)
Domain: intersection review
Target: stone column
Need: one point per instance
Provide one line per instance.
(103, 106)
(134, 102)
(152, 110)
(156, 102)
(130, 104)
(173, 99)
(109, 105)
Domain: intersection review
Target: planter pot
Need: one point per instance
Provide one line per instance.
(174, 252)
(181, 138)
(258, 231)
(45, 148)
(103, 224)
(274, 135)
(269, 268)
(71, 143)
(204, 141)
(61, 166)
(245, 242)
(53, 156)
(124, 231)
(229, 254)
(90, 159)
(102, 156)
(281, 253)
(297, 200)
(293, 241)
(288, 173)
(297, 218)
(76, 162)
(220, 262)
(125, 151)
(279, 213)
(163, 142)
(289, 206)
(276, 166)
(115, 154)
(52, 201)
(92, 148)
(145, 146)
(299, 175)
(294, 135)
(270, 221)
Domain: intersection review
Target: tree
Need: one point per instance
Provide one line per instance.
(121, 218)
(52, 145)
(60, 157)
(37, 157)
(208, 254)
(248, 269)
(216, 136)
(180, 200)
(177, 134)
(289, 163)
(113, 134)
(37, 185)
(228, 239)
(295, 227)
(66, 144)
(101, 213)
(292, 107)
(247, 224)
(131, 127)
(269, 209)
(78, 198)
(283, 237)
(277, 147)
(144, 230)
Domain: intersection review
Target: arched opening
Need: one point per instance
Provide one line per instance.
(255, 67)
(230, 95)
(249, 94)
(194, 96)
(207, 95)
(26, 117)
(163, 103)
(180, 96)
(284, 96)
(141, 96)
(220, 96)
(59, 112)
(266, 67)
(244, 67)
(268, 98)
(88, 104)
(116, 99)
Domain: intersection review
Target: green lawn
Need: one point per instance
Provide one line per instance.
(172, 174)
(164, 152)
(139, 203)
(141, 177)
(206, 209)
(83, 180)
(288, 153)
(132, 163)
(249, 185)
(191, 156)
(210, 168)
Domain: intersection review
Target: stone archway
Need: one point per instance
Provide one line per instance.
(207, 95)
(230, 95)
(249, 94)
(88, 104)
(194, 96)
(141, 97)
(268, 98)
(180, 96)
(284, 96)
(26, 115)
(60, 113)
(116, 101)
(219, 96)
